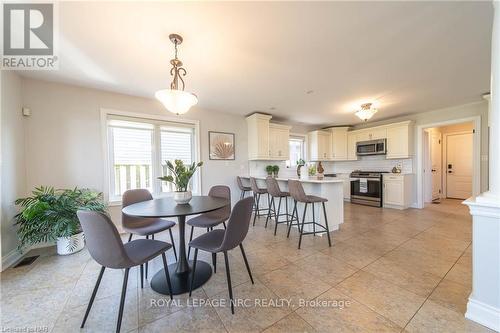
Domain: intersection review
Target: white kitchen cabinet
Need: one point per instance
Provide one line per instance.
(339, 143)
(368, 134)
(320, 145)
(399, 140)
(278, 142)
(351, 147)
(346, 177)
(258, 136)
(397, 191)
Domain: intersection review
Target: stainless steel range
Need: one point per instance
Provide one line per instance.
(366, 189)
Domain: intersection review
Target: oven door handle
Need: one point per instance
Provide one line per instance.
(370, 179)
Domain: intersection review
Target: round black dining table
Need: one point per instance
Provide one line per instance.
(180, 272)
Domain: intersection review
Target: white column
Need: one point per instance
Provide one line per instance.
(484, 301)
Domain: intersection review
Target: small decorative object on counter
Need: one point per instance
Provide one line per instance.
(396, 169)
(269, 170)
(180, 176)
(276, 169)
(312, 170)
(300, 164)
(320, 170)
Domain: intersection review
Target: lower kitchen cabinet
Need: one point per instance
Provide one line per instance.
(397, 190)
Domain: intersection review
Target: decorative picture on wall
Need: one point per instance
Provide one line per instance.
(221, 145)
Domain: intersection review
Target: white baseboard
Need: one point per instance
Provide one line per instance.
(483, 314)
(15, 255)
(11, 258)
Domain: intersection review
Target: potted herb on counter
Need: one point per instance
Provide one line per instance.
(276, 169)
(181, 176)
(269, 170)
(50, 215)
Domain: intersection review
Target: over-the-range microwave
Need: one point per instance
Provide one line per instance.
(372, 147)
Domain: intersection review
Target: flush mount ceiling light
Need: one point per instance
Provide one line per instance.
(366, 111)
(175, 99)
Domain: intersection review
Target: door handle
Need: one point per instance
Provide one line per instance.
(433, 170)
(450, 171)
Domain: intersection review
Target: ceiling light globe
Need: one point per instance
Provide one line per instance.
(176, 101)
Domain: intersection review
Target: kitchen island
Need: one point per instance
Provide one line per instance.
(329, 188)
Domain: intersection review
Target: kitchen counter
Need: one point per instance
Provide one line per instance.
(304, 179)
(331, 188)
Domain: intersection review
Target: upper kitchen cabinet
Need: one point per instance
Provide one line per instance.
(374, 133)
(351, 146)
(399, 140)
(339, 143)
(320, 145)
(266, 140)
(258, 136)
(278, 142)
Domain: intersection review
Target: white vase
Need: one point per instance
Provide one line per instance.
(70, 245)
(182, 198)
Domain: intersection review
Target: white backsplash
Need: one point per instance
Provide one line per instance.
(365, 163)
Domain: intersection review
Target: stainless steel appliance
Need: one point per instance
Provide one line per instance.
(366, 188)
(372, 147)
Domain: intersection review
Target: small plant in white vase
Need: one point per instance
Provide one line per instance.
(180, 177)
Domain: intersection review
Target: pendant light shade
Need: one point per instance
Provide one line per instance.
(176, 101)
(366, 112)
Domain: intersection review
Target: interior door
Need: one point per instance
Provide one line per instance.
(435, 145)
(459, 166)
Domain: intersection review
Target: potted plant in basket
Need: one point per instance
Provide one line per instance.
(180, 176)
(50, 215)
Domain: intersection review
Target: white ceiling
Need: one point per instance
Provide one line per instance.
(242, 57)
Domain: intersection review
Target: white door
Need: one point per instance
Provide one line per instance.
(459, 166)
(435, 145)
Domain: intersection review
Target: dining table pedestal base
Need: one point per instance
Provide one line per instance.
(181, 282)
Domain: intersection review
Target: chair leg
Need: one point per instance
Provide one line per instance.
(98, 282)
(268, 213)
(190, 239)
(256, 199)
(193, 272)
(173, 243)
(167, 274)
(228, 274)
(276, 215)
(122, 300)
(147, 237)
(293, 216)
(224, 224)
(142, 276)
(302, 228)
(286, 210)
(246, 262)
(326, 225)
(214, 262)
(130, 237)
(314, 221)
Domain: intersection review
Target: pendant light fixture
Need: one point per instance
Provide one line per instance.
(366, 111)
(175, 99)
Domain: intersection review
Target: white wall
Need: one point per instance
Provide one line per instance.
(64, 144)
(13, 162)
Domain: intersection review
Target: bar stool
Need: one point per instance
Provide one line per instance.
(244, 189)
(298, 195)
(257, 192)
(274, 191)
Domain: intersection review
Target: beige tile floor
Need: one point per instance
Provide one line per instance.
(387, 271)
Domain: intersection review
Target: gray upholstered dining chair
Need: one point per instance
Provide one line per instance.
(144, 226)
(212, 219)
(224, 240)
(297, 192)
(106, 247)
